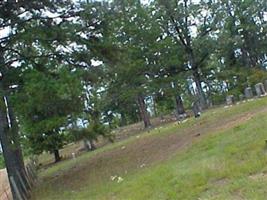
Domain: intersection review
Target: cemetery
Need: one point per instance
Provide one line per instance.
(133, 100)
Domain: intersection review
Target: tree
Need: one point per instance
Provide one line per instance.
(18, 20)
(241, 45)
(192, 24)
(93, 118)
(134, 34)
(245, 24)
(44, 106)
(168, 78)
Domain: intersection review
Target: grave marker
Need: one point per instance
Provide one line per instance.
(260, 90)
(230, 100)
(196, 109)
(248, 93)
(265, 85)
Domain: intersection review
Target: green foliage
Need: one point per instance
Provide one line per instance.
(45, 104)
(2, 163)
(92, 116)
(91, 133)
(156, 50)
(134, 32)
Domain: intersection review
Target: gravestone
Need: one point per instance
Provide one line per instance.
(179, 117)
(230, 100)
(196, 109)
(248, 93)
(265, 84)
(241, 97)
(73, 155)
(260, 90)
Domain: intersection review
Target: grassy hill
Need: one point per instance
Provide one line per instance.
(222, 155)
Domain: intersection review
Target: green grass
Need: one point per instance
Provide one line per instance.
(227, 164)
(2, 165)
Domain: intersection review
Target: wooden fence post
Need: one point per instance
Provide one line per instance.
(14, 185)
(23, 184)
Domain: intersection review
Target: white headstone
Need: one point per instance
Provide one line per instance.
(230, 100)
(260, 90)
(248, 93)
(73, 155)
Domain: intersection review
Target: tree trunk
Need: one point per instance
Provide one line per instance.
(9, 139)
(197, 79)
(143, 112)
(123, 121)
(16, 143)
(200, 92)
(11, 156)
(57, 156)
(179, 105)
(155, 107)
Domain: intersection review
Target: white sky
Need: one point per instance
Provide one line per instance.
(5, 32)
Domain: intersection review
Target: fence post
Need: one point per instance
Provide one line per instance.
(27, 181)
(33, 168)
(31, 173)
(23, 184)
(16, 190)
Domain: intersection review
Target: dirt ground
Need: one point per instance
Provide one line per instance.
(4, 186)
(46, 160)
(141, 153)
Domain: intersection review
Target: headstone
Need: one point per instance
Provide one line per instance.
(162, 118)
(265, 84)
(260, 90)
(248, 93)
(73, 155)
(196, 109)
(179, 117)
(209, 103)
(230, 100)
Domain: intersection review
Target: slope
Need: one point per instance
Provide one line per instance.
(219, 156)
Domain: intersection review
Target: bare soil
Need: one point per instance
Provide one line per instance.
(5, 193)
(141, 153)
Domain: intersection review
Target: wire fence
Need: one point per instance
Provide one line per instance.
(26, 184)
